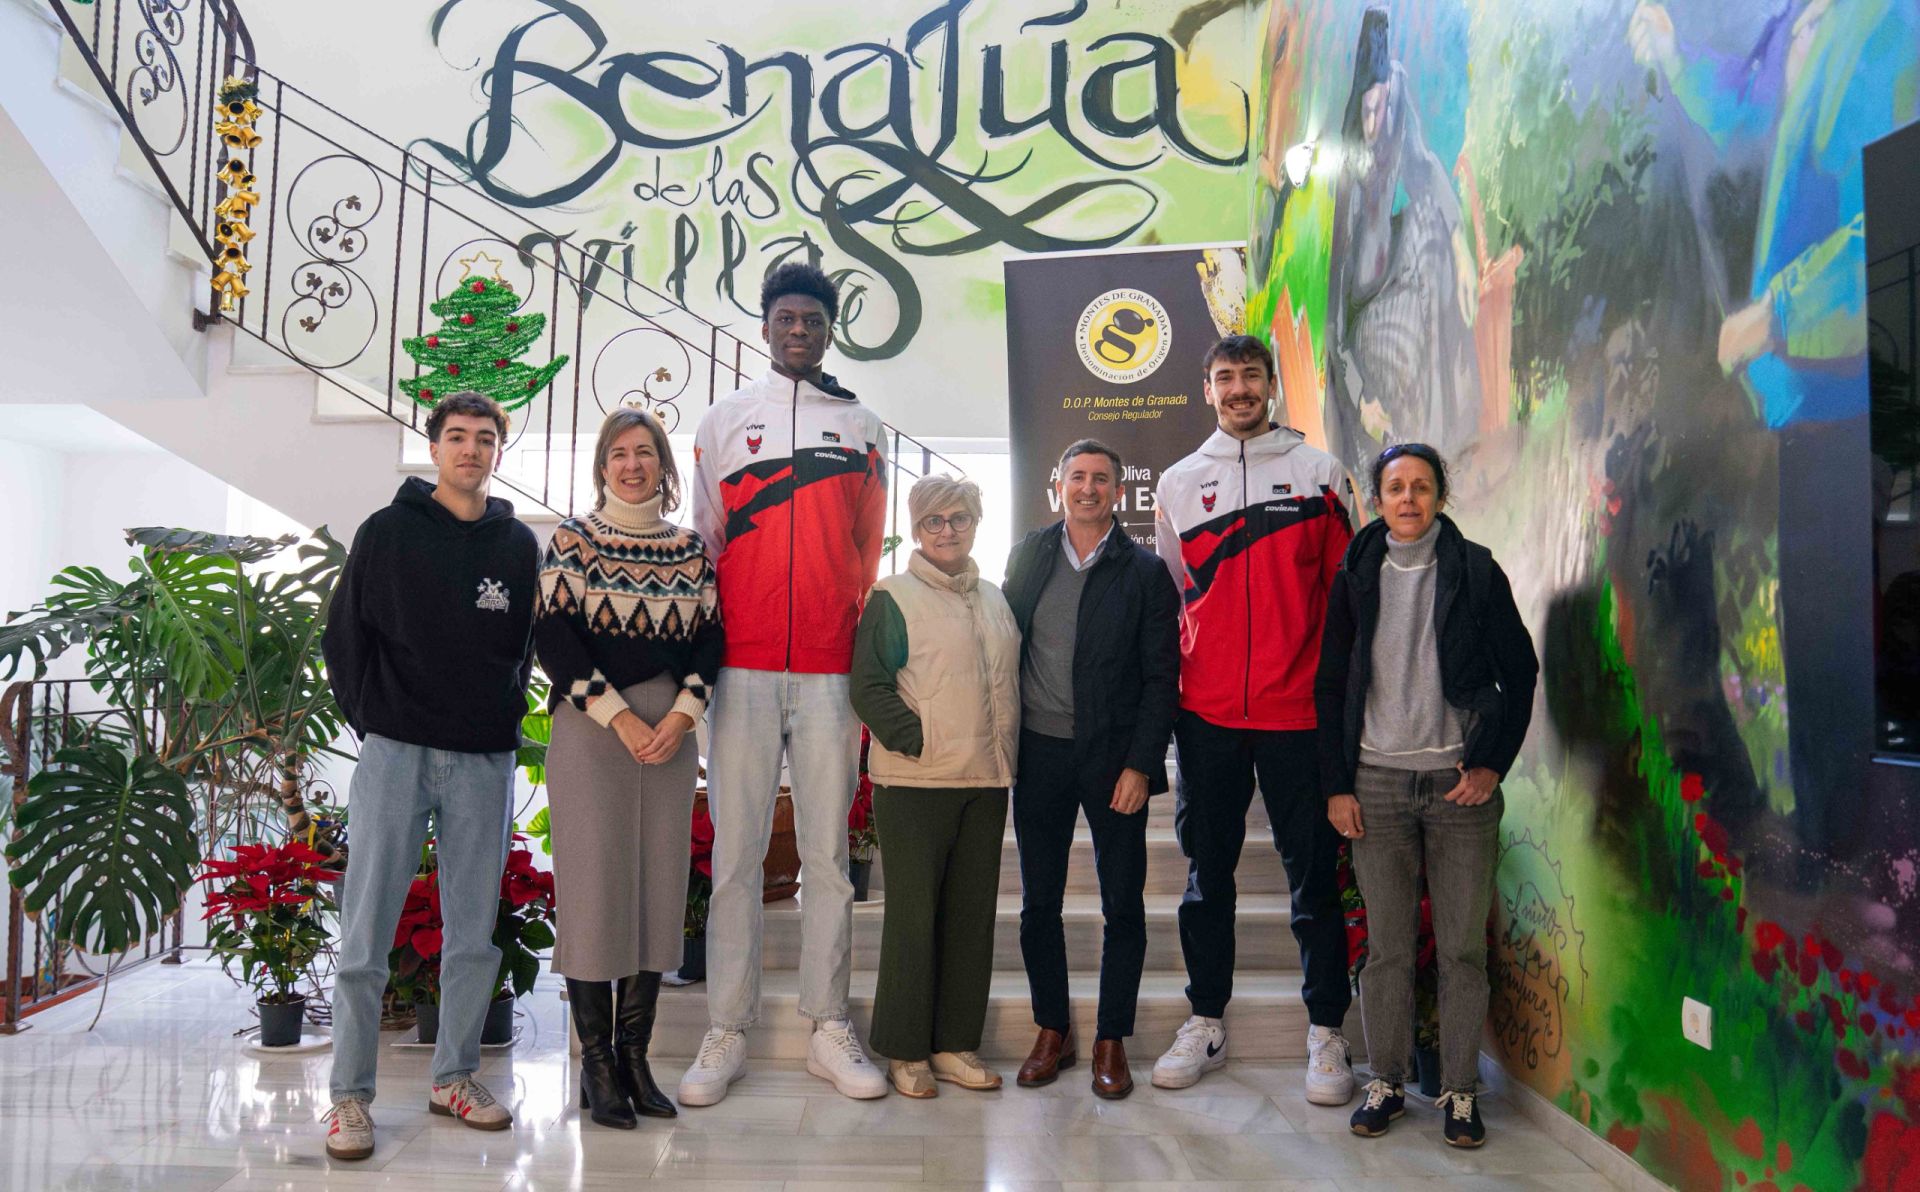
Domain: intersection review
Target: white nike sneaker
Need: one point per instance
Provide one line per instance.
(1329, 1071)
(722, 1060)
(1199, 1048)
(834, 1054)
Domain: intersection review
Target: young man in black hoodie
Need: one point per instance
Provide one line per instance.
(428, 649)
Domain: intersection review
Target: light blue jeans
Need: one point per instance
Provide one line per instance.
(757, 717)
(396, 789)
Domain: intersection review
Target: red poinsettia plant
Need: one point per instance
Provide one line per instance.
(266, 904)
(700, 877)
(1426, 972)
(862, 837)
(522, 927)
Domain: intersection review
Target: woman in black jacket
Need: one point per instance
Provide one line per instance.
(1424, 692)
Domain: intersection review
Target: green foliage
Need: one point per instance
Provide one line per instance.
(211, 674)
(112, 835)
(540, 828)
(478, 345)
(536, 733)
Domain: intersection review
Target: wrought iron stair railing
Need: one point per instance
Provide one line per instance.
(355, 236)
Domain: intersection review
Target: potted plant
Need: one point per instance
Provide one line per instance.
(862, 838)
(522, 927)
(414, 963)
(693, 955)
(266, 904)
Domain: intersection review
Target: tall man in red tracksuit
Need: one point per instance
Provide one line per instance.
(1253, 526)
(789, 493)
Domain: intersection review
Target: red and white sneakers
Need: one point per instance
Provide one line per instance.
(349, 1130)
(469, 1100)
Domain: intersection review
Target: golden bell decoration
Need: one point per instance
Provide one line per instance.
(230, 288)
(235, 135)
(234, 114)
(236, 174)
(236, 205)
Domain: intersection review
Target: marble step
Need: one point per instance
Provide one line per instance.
(1259, 872)
(1263, 943)
(1267, 1020)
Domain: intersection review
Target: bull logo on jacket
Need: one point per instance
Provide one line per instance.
(1207, 501)
(753, 443)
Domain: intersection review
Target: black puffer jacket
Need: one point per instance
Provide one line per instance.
(1487, 664)
(1126, 652)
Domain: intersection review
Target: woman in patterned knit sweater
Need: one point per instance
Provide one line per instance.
(628, 632)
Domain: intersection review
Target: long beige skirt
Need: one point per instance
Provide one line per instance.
(620, 843)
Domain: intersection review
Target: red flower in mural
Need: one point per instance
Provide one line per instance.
(1692, 788)
(1892, 1161)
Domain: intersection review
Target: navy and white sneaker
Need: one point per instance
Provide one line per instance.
(1199, 1048)
(1461, 1125)
(1384, 1102)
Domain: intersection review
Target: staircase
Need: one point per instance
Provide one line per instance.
(297, 397)
(1266, 1020)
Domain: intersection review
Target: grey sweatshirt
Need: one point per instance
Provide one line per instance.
(1409, 724)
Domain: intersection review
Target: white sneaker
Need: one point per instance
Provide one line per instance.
(1199, 1048)
(834, 1054)
(1329, 1071)
(349, 1130)
(722, 1060)
(469, 1100)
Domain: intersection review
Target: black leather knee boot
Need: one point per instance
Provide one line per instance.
(601, 1091)
(639, 995)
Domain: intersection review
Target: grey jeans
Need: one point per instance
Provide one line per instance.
(1405, 822)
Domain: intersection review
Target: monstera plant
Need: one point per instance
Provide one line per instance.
(212, 704)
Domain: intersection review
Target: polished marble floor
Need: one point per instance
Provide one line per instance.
(163, 1095)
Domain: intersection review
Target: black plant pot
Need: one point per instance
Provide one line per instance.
(1427, 1061)
(861, 873)
(499, 1024)
(426, 1019)
(280, 1021)
(693, 958)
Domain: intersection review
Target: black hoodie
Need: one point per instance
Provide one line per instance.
(429, 640)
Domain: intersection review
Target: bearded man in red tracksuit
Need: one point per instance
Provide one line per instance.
(1253, 526)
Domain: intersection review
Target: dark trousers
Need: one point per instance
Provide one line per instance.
(942, 850)
(1048, 797)
(1217, 771)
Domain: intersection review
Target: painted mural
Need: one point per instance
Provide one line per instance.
(907, 146)
(1609, 257)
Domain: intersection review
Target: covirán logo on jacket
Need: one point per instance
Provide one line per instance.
(1123, 335)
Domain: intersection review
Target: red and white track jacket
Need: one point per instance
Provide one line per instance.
(790, 494)
(1253, 532)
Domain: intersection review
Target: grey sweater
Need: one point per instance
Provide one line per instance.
(1046, 674)
(1409, 724)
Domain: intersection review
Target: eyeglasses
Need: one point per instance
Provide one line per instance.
(933, 523)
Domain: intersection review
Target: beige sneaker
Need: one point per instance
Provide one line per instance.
(913, 1078)
(469, 1100)
(349, 1130)
(964, 1069)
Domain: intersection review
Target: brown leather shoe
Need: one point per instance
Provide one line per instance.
(1112, 1079)
(1052, 1051)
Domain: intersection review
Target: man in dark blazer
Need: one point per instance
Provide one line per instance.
(1099, 685)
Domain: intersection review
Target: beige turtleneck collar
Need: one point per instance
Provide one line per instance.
(629, 518)
(923, 567)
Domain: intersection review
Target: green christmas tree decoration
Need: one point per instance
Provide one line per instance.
(482, 335)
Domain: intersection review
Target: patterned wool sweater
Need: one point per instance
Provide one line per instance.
(624, 596)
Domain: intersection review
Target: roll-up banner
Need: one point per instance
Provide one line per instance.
(1107, 346)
